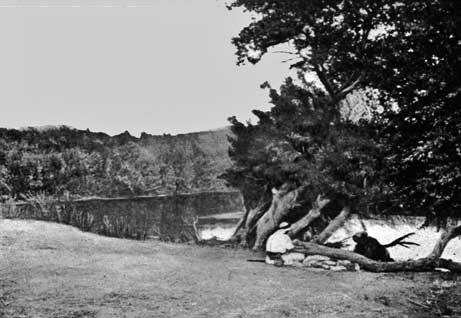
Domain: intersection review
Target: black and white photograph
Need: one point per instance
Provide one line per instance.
(230, 159)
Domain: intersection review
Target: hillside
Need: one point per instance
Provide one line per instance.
(63, 161)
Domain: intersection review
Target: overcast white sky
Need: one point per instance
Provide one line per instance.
(166, 66)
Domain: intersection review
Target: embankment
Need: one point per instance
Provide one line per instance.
(166, 217)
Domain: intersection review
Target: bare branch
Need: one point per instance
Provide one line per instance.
(313, 214)
(326, 83)
(285, 52)
(291, 59)
(446, 236)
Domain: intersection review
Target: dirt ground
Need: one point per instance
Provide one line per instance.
(50, 270)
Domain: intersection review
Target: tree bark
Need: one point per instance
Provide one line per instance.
(445, 237)
(337, 222)
(240, 225)
(428, 263)
(247, 222)
(282, 202)
(313, 214)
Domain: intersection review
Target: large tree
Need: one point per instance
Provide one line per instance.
(409, 52)
(298, 157)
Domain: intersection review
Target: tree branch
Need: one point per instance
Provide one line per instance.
(346, 90)
(313, 214)
(324, 80)
(337, 222)
(445, 237)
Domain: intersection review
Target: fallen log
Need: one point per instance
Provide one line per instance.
(429, 263)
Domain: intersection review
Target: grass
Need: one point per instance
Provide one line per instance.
(51, 270)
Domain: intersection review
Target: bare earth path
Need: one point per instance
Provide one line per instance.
(50, 270)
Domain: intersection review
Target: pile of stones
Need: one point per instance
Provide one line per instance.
(325, 263)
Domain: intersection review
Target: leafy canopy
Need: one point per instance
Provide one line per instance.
(409, 51)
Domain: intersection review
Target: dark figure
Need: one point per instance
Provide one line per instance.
(370, 247)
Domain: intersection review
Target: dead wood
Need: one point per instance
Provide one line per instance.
(429, 263)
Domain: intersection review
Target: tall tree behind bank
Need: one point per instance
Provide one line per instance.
(298, 146)
(409, 52)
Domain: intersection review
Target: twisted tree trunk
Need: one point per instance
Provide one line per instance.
(245, 226)
(283, 201)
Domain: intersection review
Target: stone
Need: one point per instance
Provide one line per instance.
(338, 268)
(290, 258)
(325, 266)
(329, 263)
(344, 262)
(316, 258)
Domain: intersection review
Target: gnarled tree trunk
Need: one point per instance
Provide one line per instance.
(247, 222)
(283, 201)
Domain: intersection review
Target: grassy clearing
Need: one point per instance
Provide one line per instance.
(50, 270)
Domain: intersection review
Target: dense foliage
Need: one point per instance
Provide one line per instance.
(298, 141)
(424, 135)
(68, 162)
(408, 52)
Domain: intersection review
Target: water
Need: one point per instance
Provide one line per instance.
(219, 231)
(219, 226)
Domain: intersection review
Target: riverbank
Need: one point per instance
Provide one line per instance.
(53, 270)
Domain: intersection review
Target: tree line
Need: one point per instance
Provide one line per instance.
(60, 162)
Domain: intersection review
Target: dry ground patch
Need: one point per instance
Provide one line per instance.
(50, 270)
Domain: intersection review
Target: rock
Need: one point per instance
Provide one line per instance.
(290, 258)
(316, 264)
(344, 262)
(325, 266)
(338, 268)
(329, 263)
(316, 258)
